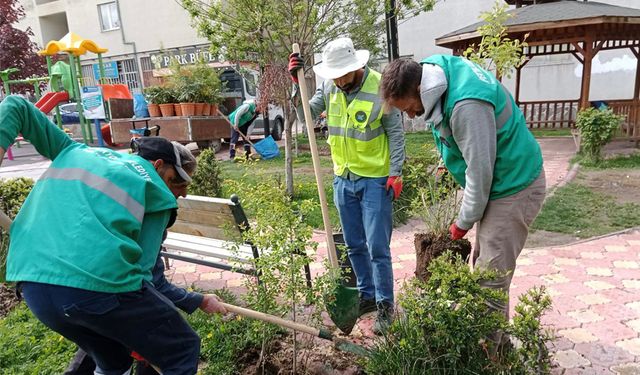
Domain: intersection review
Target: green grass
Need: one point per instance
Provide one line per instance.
(28, 347)
(619, 162)
(541, 133)
(577, 210)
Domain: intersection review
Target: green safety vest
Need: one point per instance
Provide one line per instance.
(81, 225)
(356, 136)
(246, 117)
(518, 156)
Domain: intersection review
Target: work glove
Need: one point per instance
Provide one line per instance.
(395, 183)
(457, 233)
(295, 63)
(211, 304)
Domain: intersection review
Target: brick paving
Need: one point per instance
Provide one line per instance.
(595, 284)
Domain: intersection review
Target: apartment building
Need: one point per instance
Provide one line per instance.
(139, 35)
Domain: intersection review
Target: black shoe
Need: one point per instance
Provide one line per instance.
(367, 306)
(384, 318)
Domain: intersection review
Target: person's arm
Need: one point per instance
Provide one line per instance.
(473, 125)
(392, 124)
(18, 116)
(316, 104)
(184, 300)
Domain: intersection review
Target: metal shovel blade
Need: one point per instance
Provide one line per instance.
(343, 307)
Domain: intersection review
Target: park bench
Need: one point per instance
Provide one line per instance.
(206, 232)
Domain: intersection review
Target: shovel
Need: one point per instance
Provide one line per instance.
(344, 306)
(341, 344)
(267, 148)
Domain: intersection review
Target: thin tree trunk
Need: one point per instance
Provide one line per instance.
(288, 150)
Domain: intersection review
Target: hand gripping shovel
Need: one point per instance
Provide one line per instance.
(344, 305)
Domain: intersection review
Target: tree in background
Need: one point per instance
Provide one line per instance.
(16, 49)
(496, 51)
(264, 30)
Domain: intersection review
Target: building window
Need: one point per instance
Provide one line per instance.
(109, 17)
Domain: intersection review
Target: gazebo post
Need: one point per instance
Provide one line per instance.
(635, 106)
(587, 54)
(518, 76)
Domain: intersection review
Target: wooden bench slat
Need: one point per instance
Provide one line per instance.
(186, 238)
(204, 250)
(222, 206)
(201, 230)
(206, 217)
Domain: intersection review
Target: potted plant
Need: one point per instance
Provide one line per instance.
(437, 204)
(152, 94)
(166, 98)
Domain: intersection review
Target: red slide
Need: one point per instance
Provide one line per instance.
(51, 99)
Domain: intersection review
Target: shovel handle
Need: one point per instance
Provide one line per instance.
(331, 247)
(272, 319)
(5, 222)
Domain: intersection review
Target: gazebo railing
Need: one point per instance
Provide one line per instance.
(550, 114)
(630, 110)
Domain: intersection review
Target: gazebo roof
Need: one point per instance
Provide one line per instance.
(551, 15)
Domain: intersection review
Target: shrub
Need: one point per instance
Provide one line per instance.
(597, 127)
(13, 192)
(28, 347)
(446, 321)
(207, 180)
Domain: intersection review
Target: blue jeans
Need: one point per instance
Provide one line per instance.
(108, 326)
(366, 210)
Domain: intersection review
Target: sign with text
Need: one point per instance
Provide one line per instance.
(183, 56)
(92, 103)
(110, 70)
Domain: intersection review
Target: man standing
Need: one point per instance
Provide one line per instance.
(241, 119)
(483, 139)
(87, 237)
(367, 148)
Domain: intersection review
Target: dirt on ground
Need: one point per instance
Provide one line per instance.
(313, 357)
(8, 299)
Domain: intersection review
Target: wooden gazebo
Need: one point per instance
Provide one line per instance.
(581, 28)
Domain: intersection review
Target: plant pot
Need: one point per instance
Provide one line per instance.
(199, 108)
(167, 110)
(206, 109)
(188, 109)
(154, 110)
(345, 264)
(214, 110)
(177, 109)
(430, 246)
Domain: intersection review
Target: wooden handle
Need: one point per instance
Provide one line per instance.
(331, 247)
(5, 222)
(239, 132)
(271, 319)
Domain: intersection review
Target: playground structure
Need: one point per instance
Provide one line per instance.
(66, 81)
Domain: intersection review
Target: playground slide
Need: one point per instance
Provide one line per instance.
(51, 99)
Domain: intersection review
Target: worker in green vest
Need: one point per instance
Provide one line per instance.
(484, 141)
(241, 119)
(87, 237)
(367, 148)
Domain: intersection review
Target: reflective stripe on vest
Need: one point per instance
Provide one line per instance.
(99, 183)
(356, 136)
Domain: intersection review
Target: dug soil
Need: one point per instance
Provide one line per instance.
(313, 358)
(429, 247)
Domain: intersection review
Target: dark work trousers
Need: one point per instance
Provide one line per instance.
(108, 326)
(234, 139)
